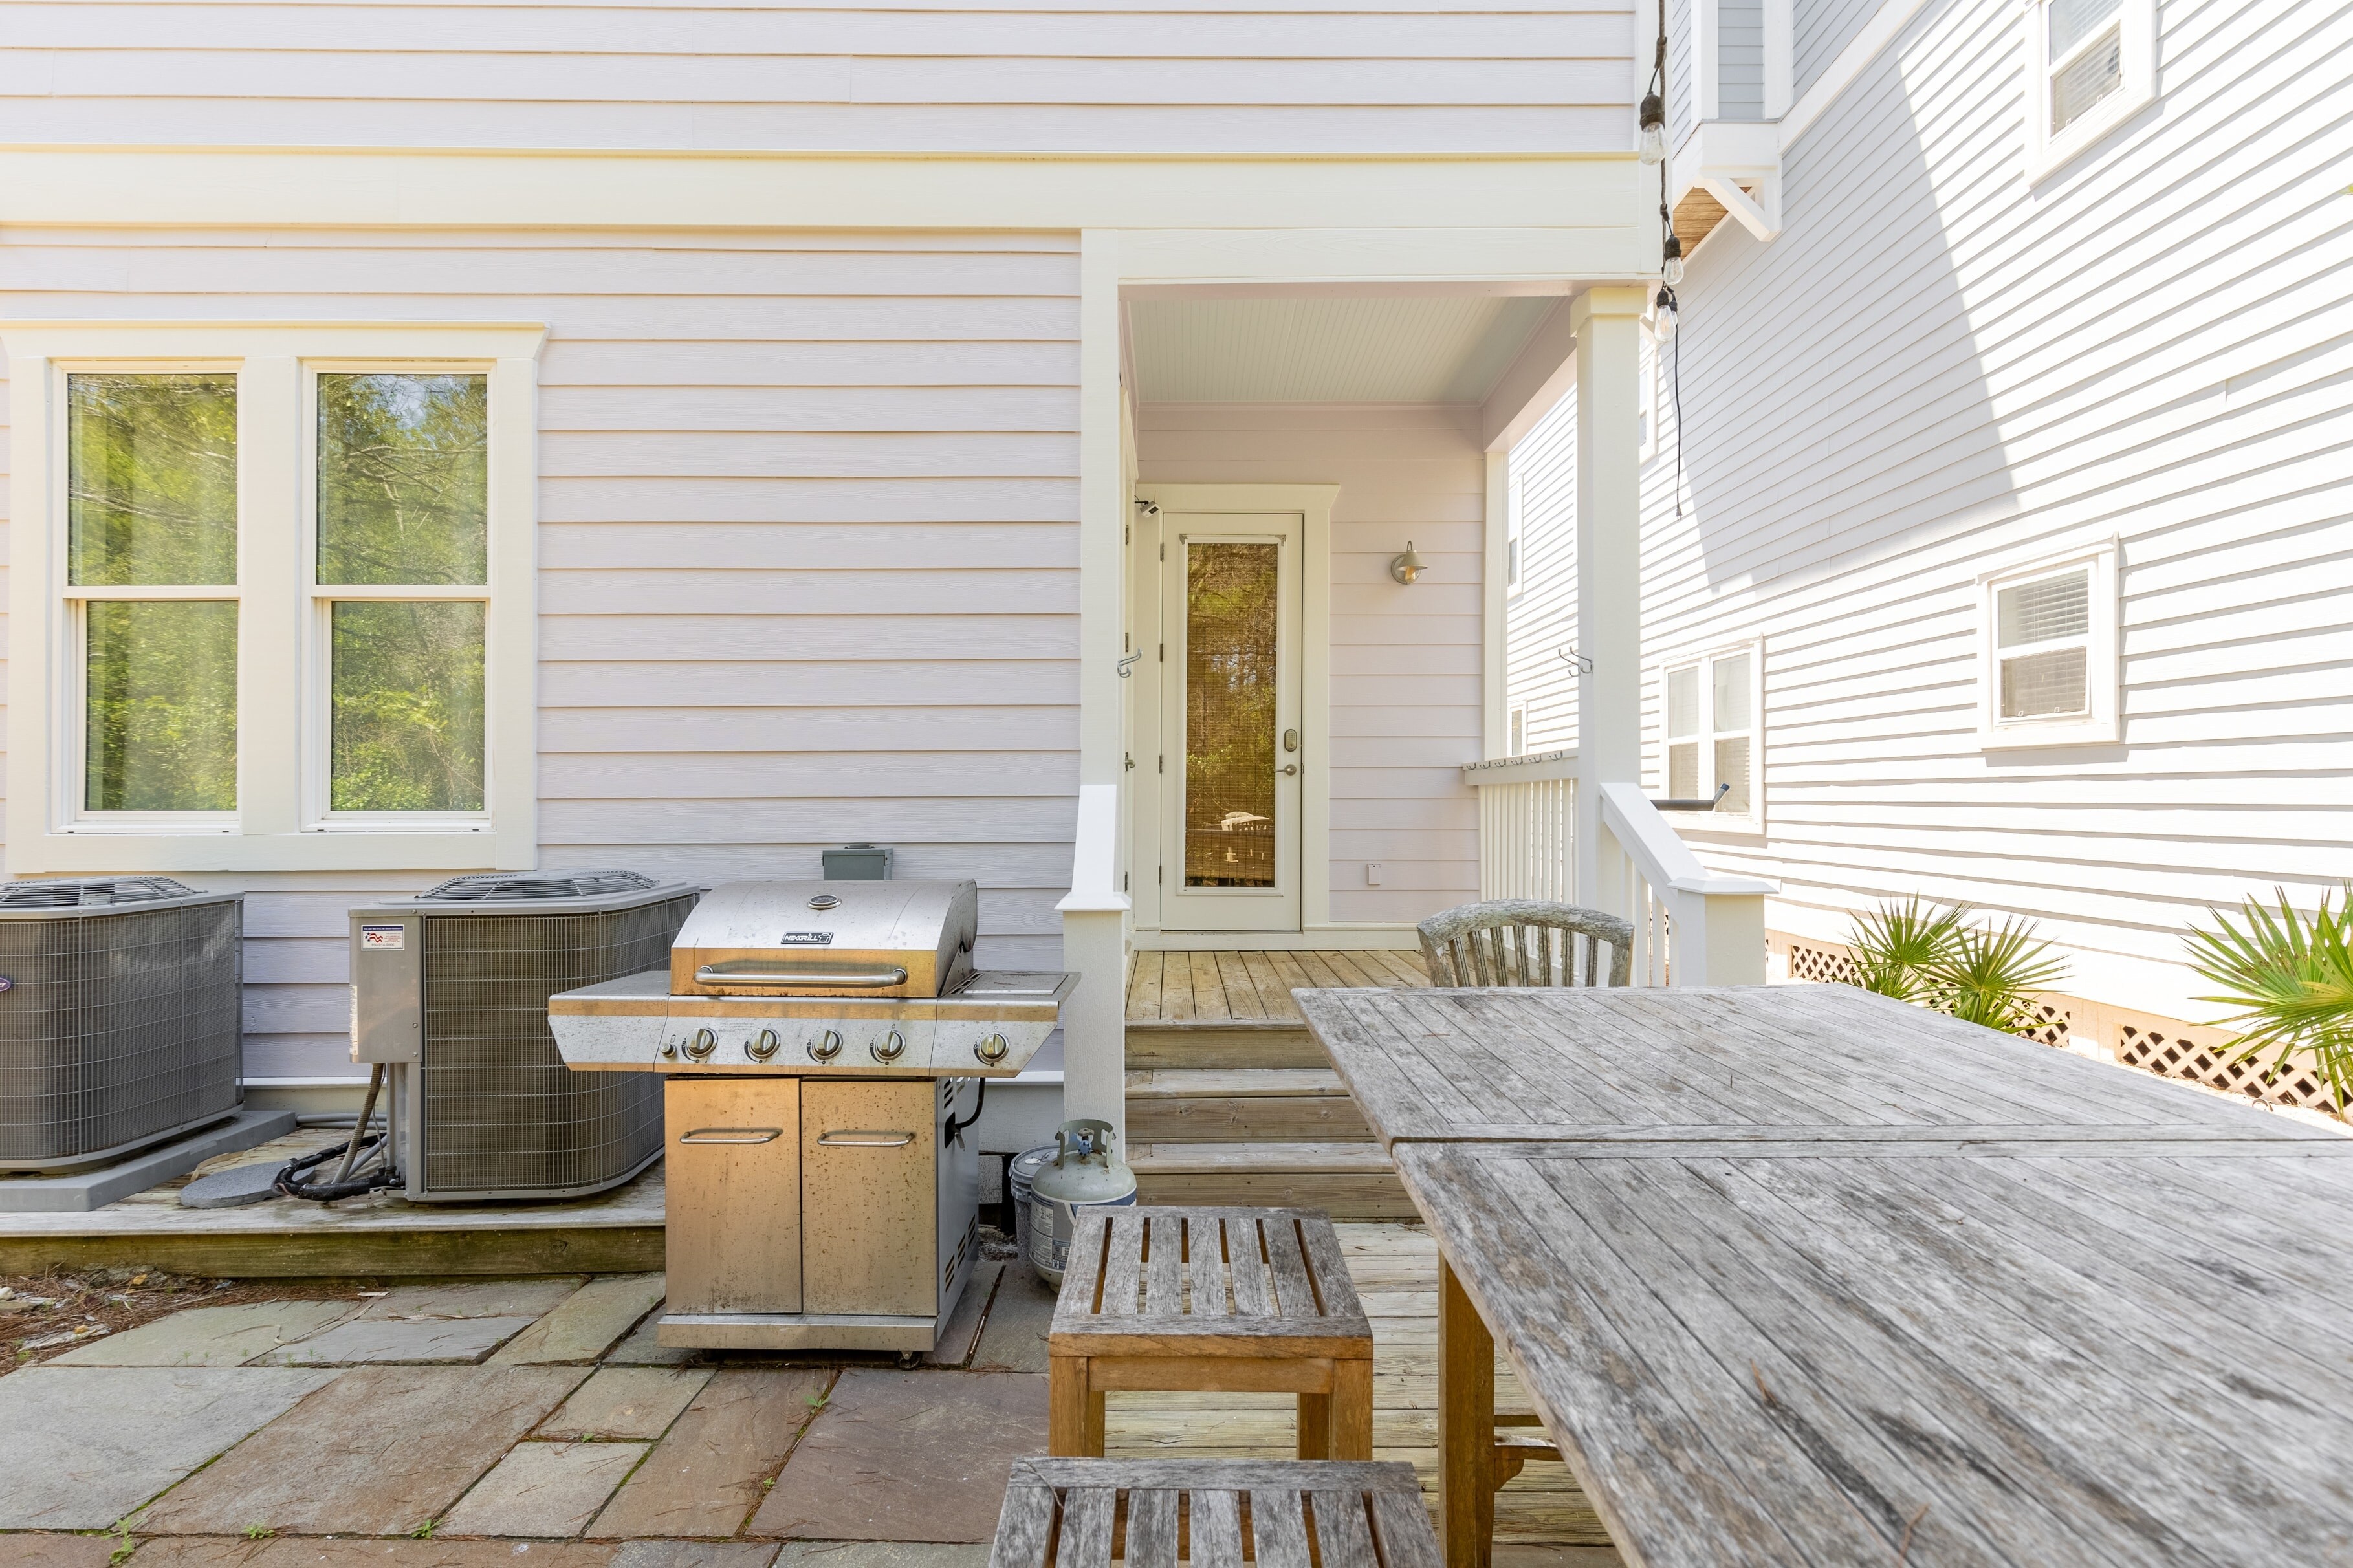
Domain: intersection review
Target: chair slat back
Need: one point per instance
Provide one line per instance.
(1525, 941)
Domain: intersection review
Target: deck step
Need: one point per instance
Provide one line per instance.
(1347, 1180)
(1208, 1047)
(1235, 1105)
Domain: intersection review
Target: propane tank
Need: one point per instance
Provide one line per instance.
(1083, 1174)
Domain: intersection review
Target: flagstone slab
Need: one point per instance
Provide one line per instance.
(703, 1477)
(1013, 1338)
(399, 1342)
(961, 1334)
(82, 1446)
(380, 1451)
(543, 1490)
(211, 1336)
(586, 1322)
(60, 1550)
(882, 1554)
(627, 1402)
(644, 1348)
(908, 1455)
(214, 1552)
(478, 1298)
(696, 1554)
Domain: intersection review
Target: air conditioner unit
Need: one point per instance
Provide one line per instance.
(121, 1015)
(451, 988)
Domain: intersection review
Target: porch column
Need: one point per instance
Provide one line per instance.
(1608, 577)
(1094, 915)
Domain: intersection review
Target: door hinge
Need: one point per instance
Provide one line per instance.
(1163, 653)
(1160, 876)
(1164, 551)
(1160, 764)
(1127, 536)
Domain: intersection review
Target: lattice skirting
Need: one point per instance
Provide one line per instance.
(2171, 1052)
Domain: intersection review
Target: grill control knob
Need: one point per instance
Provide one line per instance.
(993, 1049)
(703, 1045)
(765, 1047)
(825, 1048)
(891, 1049)
(670, 1050)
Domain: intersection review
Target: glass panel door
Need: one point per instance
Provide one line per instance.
(1233, 766)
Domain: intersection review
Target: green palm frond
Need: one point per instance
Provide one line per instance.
(2287, 978)
(1897, 945)
(1993, 974)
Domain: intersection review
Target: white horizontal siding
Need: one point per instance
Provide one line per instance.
(1405, 692)
(808, 554)
(1937, 370)
(1525, 77)
(1820, 29)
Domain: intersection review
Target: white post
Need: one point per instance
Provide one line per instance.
(1095, 916)
(1609, 579)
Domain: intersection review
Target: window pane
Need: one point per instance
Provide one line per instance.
(1732, 768)
(1232, 613)
(151, 479)
(2042, 612)
(1732, 693)
(159, 706)
(2072, 19)
(407, 695)
(2089, 77)
(1682, 771)
(1683, 701)
(404, 479)
(2036, 685)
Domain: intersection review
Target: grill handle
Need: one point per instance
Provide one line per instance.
(752, 972)
(731, 1135)
(864, 1139)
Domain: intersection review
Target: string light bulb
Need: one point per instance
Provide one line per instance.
(1653, 143)
(1671, 261)
(1662, 315)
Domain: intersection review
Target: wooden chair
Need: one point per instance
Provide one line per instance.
(1509, 942)
(1212, 1513)
(1210, 1300)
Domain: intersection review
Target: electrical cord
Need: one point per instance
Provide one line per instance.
(362, 1149)
(952, 1132)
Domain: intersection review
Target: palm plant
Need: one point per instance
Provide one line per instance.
(1896, 946)
(2289, 979)
(1932, 955)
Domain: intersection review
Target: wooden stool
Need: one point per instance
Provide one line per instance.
(1212, 1513)
(1211, 1300)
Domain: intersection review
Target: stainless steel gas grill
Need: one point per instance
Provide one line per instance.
(825, 1045)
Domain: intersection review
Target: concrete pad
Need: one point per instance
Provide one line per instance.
(1014, 1340)
(908, 1455)
(85, 1190)
(959, 1338)
(59, 1551)
(485, 1298)
(82, 1446)
(382, 1451)
(627, 1402)
(696, 1554)
(543, 1490)
(703, 1477)
(211, 1336)
(881, 1554)
(585, 1325)
(212, 1551)
(400, 1341)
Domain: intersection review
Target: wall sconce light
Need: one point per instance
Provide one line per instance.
(1407, 567)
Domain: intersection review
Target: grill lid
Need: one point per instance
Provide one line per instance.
(74, 893)
(485, 887)
(827, 939)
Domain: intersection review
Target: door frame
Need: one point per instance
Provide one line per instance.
(1313, 505)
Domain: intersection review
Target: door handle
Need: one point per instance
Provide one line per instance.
(1288, 768)
(865, 1140)
(731, 1135)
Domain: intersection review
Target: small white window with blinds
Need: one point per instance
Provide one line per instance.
(2090, 64)
(1712, 740)
(2050, 634)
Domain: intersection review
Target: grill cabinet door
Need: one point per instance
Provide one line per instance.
(734, 1194)
(869, 1197)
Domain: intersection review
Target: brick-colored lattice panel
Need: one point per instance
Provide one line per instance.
(1822, 963)
(2171, 1055)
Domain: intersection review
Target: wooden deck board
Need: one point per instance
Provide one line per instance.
(1224, 988)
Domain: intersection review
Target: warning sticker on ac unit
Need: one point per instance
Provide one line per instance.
(384, 939)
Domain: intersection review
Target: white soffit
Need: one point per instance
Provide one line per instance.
(1419, 349)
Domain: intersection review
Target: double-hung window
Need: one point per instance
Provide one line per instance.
(2050, 652)
(2090, 64)
(1713, 728)
(271, 603)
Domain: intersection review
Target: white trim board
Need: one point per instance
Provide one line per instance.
(1361, 937)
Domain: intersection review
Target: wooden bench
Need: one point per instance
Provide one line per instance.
(1212, 1513)
(1211, 1300)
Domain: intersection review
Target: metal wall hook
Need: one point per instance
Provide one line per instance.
(1570, 654)
(1126, 662)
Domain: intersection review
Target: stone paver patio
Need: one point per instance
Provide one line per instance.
(536, 1421)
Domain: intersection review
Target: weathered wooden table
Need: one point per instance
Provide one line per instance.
(1799, 1274)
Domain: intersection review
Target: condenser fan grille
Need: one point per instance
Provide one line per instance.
(490, 888)
(74, 893)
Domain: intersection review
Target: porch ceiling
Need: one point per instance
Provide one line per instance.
(1419, 349)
